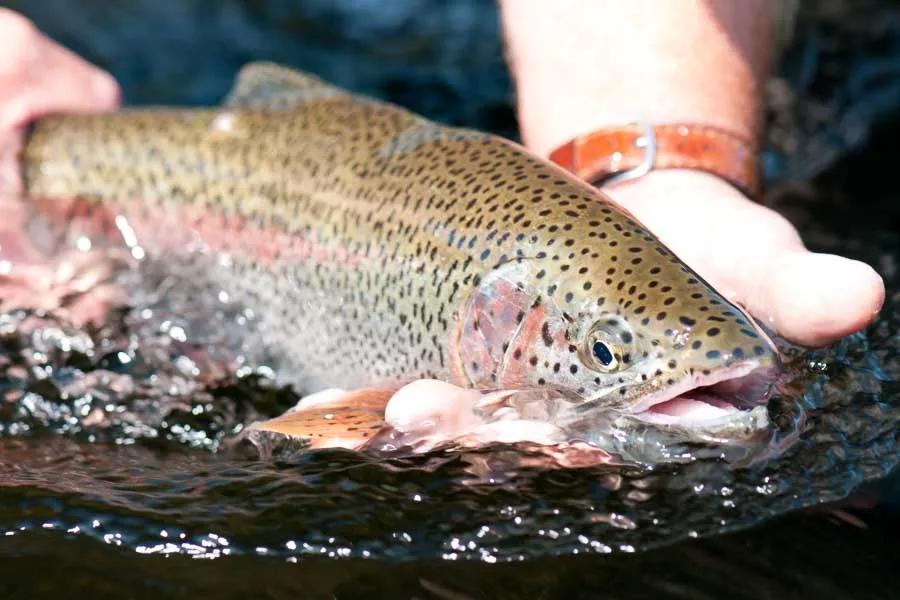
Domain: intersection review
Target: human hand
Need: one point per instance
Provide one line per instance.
(37, 77)
(754, 256)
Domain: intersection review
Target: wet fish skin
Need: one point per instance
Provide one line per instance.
(378, 247)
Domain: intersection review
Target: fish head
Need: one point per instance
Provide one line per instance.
(631, 330)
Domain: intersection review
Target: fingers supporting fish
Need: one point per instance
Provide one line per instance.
(426, 415)
(420, 416)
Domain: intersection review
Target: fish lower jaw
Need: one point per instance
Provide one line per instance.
(707, 399)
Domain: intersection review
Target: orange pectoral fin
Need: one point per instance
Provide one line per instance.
(347, 421)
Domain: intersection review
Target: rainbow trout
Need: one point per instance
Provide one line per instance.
(377, 247)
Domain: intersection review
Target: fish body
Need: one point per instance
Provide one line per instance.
(377, 247)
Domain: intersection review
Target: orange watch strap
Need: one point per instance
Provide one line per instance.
(631, 150)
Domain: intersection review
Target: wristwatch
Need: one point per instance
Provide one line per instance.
(619, 153)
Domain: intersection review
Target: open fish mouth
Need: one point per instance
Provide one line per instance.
(725, 395)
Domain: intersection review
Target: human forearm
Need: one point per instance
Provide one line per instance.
(580, 66)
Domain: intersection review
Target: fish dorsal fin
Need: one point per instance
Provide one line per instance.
(269, 86)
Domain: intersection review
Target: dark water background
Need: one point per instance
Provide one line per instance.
(88, 506)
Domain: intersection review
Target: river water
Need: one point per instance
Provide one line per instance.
(121, 459)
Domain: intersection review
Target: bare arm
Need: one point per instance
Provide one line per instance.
(581, 66)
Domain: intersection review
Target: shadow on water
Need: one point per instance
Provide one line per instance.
(95, 508)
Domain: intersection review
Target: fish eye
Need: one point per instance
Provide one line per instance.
(604, 355)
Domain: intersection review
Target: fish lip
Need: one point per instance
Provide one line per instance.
(735, 371)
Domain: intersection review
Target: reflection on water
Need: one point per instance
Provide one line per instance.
(126, 439)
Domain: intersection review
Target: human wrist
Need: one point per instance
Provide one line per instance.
(673, 186)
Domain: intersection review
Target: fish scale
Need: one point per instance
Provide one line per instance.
(377, 247)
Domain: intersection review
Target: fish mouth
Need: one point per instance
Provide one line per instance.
(722, 396)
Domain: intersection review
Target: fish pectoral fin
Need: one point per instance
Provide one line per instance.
(348, 420)
(265, 85)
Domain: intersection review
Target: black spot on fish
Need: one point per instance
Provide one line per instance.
(545, 334)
